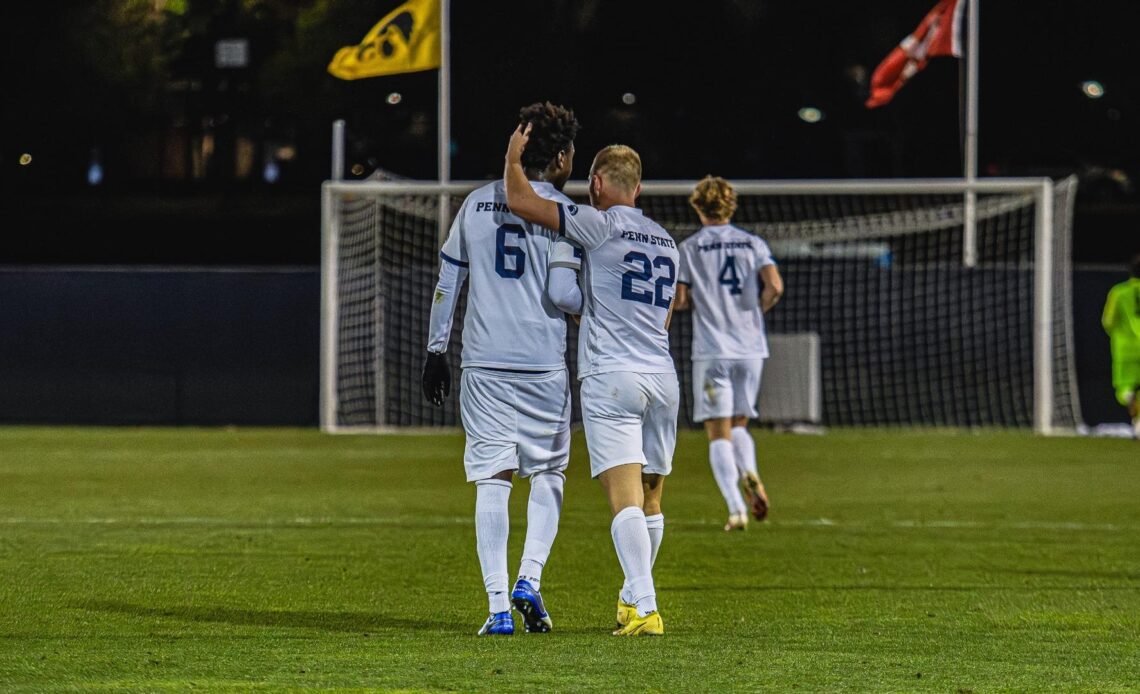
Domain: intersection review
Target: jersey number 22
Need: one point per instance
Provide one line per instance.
(657, 296)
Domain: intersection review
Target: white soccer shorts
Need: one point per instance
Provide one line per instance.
(514, 421)
(726, 388)
(630, 418)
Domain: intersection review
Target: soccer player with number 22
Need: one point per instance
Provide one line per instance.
(629, 385)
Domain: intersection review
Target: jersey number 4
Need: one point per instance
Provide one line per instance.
(503, 251)
(729, 277)
(657, 296)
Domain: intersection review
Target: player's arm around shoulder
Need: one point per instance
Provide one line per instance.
(582, 223)
(521, 198)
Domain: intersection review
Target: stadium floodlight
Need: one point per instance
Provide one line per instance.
(810, 114)
(1092, 89)
(908, 334)
(94, 174)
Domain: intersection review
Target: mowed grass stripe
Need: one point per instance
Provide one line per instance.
(467, 520)
(268, 559)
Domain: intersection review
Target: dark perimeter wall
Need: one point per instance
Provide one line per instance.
(241, 346)
(163, 346)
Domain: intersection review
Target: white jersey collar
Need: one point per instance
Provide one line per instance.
(627, 209)
(546, 185)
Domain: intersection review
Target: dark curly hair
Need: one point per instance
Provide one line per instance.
(555, 128)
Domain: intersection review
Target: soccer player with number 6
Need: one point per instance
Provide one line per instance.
(720, 267)
(515, 395)
(629, 385)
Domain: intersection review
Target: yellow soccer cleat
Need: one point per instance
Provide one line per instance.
(649, 625)
(625, 613)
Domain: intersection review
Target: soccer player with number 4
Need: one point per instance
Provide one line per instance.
(515, 395)
(629, 385)
(720, 267)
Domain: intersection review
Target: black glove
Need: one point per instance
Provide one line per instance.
(436, 379)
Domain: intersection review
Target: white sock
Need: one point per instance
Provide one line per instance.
(492, 524)
(634, 550)
(724, 470)
(745, 449)
(542, 513)
(656, 527)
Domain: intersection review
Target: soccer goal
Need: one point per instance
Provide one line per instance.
(922, 319)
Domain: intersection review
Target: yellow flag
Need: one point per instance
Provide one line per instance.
(406, 40)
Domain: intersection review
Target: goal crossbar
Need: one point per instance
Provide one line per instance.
(854, 186)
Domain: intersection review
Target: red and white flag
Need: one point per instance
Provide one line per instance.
(940, 33)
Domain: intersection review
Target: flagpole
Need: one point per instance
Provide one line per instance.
(444, 144)
(338, 150)
(970, 229)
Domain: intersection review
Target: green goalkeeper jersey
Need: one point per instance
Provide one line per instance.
(1121, 321)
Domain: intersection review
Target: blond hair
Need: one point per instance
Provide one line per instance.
(619, 165)
(714, 198)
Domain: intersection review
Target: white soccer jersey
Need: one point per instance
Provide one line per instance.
(721, 265)
(628, 275)
(510, 322)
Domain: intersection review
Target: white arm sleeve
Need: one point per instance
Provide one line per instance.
(451, 279)
(563, 290)
(565, 253)
(454, 249)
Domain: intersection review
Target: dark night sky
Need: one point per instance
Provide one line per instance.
(718, 86)
(719, 90)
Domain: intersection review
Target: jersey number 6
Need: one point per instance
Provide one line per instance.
(657, 296)
(503, 251)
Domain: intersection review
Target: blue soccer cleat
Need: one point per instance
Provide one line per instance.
(498, 624)
(528, 602)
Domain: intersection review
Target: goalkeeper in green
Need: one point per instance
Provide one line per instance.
(1121, 320)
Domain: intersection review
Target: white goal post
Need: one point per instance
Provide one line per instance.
(910, 334)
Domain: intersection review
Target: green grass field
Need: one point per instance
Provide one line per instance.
(273, 559)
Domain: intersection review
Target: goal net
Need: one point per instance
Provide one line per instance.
(921, 318)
